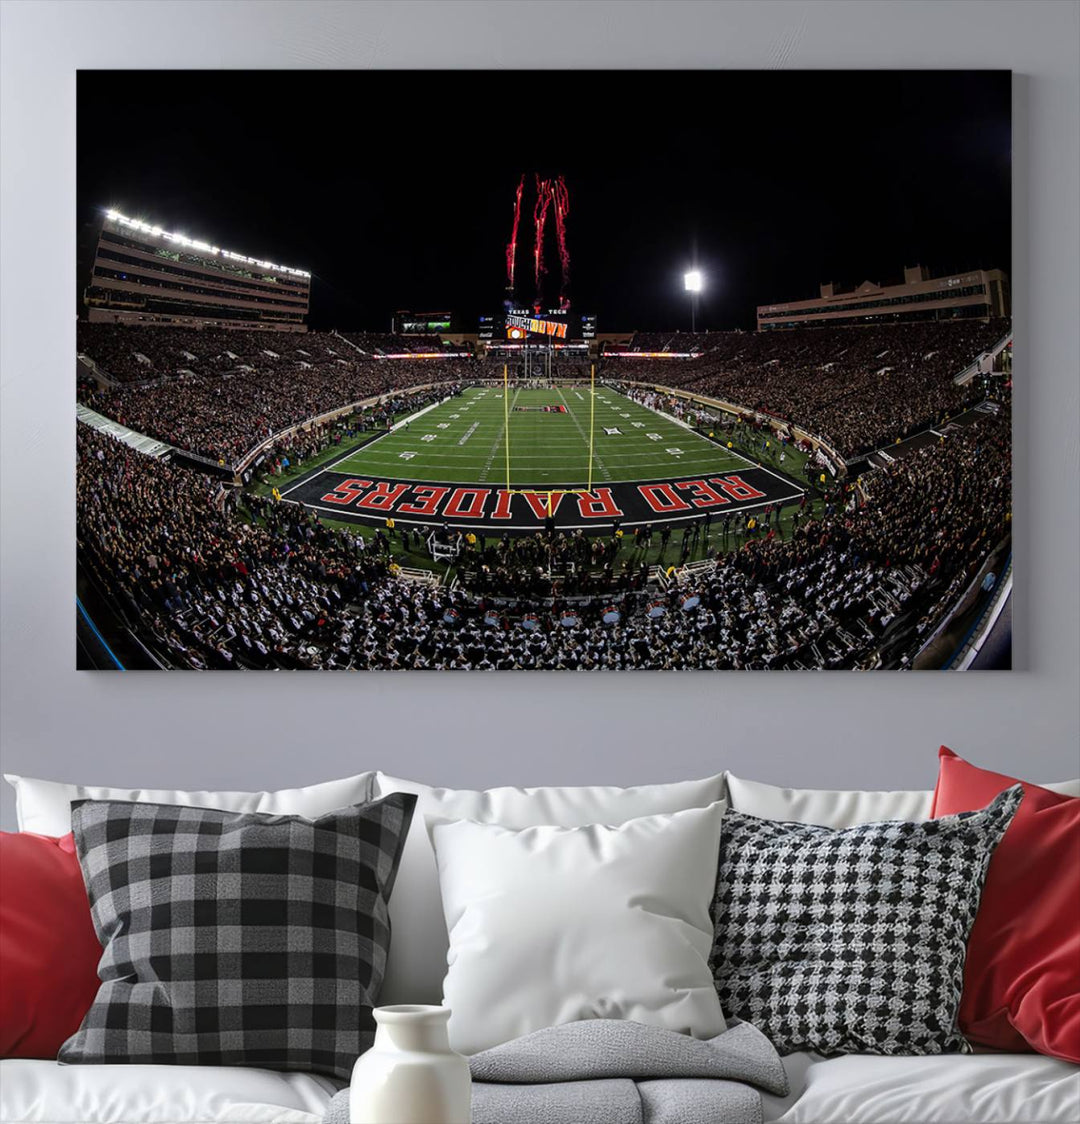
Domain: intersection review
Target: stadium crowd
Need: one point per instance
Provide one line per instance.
(671, 341)
(218, 585)
(142, 354)
(860, 388)
(549, 565)
(390, 343)
(224, 416)
(210, 585)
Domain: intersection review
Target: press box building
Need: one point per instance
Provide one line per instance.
(143, 274)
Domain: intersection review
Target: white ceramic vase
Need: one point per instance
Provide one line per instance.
(410, 1075)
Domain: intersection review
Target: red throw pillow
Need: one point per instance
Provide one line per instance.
(48, 950)
(1022, 975)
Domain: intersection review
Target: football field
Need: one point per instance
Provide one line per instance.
(466, 440)
(533, 446)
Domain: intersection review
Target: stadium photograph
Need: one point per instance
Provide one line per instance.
(730, 394)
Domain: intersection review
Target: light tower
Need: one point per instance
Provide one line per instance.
(693, 282)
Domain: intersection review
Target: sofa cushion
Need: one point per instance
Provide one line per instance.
(1022, 975)
(851, 940)
(551, 925)
(949, 1089)
(42, 1092)
(417, 964)
(236, 939)
(44, 807)
(48, 950)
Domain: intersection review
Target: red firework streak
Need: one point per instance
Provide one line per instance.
(511, 246)
(543, 201)
(561, 198)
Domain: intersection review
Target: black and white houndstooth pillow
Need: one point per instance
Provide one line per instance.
(852, 941)
(236, 938)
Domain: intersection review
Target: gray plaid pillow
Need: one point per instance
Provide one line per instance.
(852, 941)
(236, 938)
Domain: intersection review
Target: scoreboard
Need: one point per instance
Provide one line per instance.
(528, 324)
(521, 323)
(421, 323)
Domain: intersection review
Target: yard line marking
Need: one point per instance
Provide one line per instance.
(495, 446)
(599, 462)
(374, 441)
(698, 437)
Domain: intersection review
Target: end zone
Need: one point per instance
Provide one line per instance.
(494, 509)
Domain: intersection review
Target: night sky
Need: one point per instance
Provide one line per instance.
(396, 189)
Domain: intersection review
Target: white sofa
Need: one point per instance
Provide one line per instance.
(981, 1088)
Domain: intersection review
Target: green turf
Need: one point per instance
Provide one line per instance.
(463, 441)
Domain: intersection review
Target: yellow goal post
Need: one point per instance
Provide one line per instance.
(506, 443)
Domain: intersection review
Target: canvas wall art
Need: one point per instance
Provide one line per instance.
(489, 370)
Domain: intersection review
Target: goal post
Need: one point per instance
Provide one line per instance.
(592, 418)
(506, 441)
(506, 421)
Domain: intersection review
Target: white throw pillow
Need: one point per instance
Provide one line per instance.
(418, 943)
(839, 808)
(550, 925)
(44, 807)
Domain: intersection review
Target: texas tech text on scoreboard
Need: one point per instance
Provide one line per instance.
(144, 274)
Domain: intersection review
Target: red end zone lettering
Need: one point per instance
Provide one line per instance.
(430, 495)
(737, 488)
(538, 501)
(598, 504)
(662, 498)
(502, 505)
(346, 491)
(458, 506)
(383, 496)
(702, 495)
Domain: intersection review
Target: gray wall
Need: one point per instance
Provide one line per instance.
(253, 730)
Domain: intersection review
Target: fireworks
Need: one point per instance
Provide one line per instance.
(511, 246)
(543, 201)
(561, 199)
(551, 194)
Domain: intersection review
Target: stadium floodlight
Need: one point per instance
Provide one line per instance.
(693, 283)
(115, 216)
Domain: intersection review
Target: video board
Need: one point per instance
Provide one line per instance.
(523, 324)
(421, 323)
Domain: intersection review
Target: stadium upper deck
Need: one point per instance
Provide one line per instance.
(142, 273)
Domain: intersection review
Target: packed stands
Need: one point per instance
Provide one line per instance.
(678, 342)
(860, 388)
(390, 343)
(144, 354)
(238, 388)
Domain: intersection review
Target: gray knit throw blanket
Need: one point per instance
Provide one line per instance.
(606, 1071)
